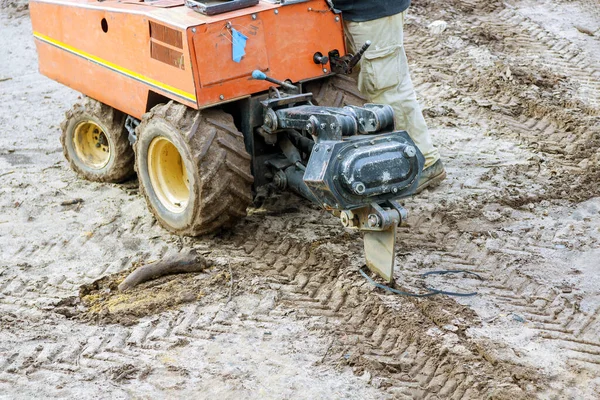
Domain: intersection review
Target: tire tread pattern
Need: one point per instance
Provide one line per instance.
(336, 91)
(114, 121)
(222, 162)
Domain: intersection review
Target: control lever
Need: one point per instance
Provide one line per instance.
(356, 58)
(344, 64)
(256, 74)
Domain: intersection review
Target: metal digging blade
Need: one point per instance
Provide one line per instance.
(380, 252)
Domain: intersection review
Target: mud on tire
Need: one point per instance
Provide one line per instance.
(193, 168)
(92, 123)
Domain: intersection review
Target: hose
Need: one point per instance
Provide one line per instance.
(302, 142)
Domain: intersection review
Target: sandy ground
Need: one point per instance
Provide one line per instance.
(511, 91)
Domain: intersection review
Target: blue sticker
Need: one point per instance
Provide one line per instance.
(239, 45)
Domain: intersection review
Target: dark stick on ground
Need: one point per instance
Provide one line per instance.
(181, 263)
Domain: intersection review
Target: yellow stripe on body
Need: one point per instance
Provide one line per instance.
(115, 67)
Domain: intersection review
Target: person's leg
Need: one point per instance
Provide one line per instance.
(384, 77)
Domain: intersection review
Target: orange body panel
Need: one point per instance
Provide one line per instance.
(118, 52)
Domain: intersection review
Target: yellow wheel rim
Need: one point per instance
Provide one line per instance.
(168, 175)
(91, 145)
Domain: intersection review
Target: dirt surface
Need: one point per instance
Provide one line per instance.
(511, 91)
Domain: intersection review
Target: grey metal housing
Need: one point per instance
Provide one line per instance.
(363, 169)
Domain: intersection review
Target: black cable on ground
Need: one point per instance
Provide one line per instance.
(431, 291)
(390, 289)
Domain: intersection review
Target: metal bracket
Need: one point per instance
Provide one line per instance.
(379, 225)
(375, 217)
(344, 64)
(288, 99)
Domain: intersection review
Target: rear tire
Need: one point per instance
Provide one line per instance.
(95, 142)
(336, 91)
(193, 168)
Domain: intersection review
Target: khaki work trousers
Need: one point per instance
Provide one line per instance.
(384, 76)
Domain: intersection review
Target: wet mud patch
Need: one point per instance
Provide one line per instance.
(101, 301)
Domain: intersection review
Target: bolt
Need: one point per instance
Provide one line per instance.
(308, 127)
(333, 126)
(328, 149)
(325, 70)
(358, 187)
(221, 97)
(355, 146)
(337, 19)
(373, 221)
(410, 151)
(323, 126)
(280, 180)
(345, 218)
(193, 30)
(316, 149)
(276, 11)
(97, 144)
(395, 190)
(339, 157)
(361, 121)
(253, 16)
(372, 142)
(372, 122)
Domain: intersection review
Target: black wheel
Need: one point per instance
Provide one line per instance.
(95, 142)
(336, 91)
(193, 168)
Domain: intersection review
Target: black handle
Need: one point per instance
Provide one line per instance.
(356, 58)
(319, 58)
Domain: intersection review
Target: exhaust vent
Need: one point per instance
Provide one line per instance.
(166, 35)
(165, 44)
(166, 55)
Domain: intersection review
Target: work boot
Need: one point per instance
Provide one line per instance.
(431, 176)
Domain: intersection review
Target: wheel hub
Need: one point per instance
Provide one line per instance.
(91, 145)
(168, 175)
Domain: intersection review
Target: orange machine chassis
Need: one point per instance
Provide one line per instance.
(132, 55)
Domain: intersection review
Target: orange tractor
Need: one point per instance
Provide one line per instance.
(212, 105)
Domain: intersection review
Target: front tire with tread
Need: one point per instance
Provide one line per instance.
(213, 160)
